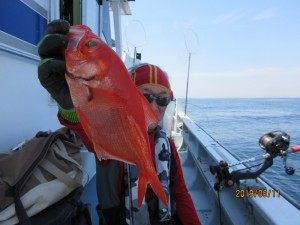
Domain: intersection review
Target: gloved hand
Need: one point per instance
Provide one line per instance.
(51, 70)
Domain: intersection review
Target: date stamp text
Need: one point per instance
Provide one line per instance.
(257, 193)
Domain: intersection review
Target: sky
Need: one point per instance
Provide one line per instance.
(237, 48)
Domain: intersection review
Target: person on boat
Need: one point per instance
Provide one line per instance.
(117, 181)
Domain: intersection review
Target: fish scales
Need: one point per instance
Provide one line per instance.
(112, 111)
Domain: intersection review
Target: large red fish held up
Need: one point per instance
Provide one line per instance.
(112, 111)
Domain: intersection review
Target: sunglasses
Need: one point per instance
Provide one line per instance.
(160, 101)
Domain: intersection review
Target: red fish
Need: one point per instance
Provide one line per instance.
(112, 111)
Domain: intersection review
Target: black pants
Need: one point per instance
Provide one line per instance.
(116, 215)
(111, 216)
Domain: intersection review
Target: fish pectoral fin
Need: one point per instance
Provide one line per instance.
(89, 93)
(92, 83)
(150, 116)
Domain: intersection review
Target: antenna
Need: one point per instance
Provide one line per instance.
(192, 45)
(135, 34)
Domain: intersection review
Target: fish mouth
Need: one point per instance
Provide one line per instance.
(72, 76)
(89, 93)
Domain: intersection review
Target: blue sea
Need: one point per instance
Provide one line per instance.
(239, 123)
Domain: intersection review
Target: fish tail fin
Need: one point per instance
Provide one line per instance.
(151, 178)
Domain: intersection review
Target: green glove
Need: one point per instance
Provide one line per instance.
(51, 70)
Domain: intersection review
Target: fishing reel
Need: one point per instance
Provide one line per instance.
(275, 144)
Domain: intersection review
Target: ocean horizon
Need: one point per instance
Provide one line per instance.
(238, 123)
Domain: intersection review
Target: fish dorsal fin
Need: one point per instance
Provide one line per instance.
(151, 118)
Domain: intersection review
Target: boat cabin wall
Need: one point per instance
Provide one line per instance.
(26, 107)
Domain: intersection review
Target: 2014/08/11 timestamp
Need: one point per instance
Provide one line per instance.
(257, 193)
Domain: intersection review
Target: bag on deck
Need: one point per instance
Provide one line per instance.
(39, 173)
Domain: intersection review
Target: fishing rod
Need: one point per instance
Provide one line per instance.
(187, 84)
(274, 143)
(191, 44)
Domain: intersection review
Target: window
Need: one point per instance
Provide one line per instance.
(22, 25)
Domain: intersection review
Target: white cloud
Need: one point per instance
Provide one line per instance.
(236, 15)
(266, 14)
(188, 24)
(228, 18)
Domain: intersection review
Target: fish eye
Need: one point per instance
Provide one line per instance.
(91, 44)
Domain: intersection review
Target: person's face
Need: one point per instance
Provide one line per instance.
(157, 91)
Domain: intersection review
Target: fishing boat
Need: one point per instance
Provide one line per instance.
(223, 188)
